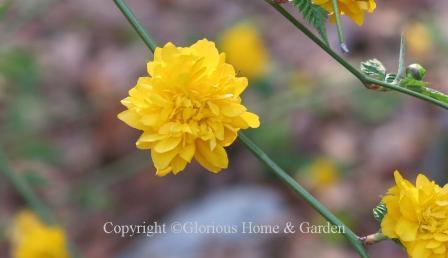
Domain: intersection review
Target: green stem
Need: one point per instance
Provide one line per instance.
(436, 102)
(296, 187)
(373, 238)
(25, 191)
(150, 43)
(339, 26)
(315, 39)
(360, 76)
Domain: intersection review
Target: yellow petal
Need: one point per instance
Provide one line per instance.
(372, 6)
(233, 109)
(251, 119)
(163, 172)
(399, 180)
(229, 137)
(420, 251)
(358, 18)
(217, 157)
(440, 250)
(147, 140)
(406, 230)
(218, 130)
(167, 144)
(422, 181)
(131, 118)
(441, 237)
(214, 108)
(150, 137)
(205, 163)
(187, 152)
(163, 160)
(150, 119)
(208, 51)
(240, 85)
(433, 244)
(407, 208)
(178, 164)
(388, 227)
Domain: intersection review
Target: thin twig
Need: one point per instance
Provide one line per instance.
(373, 238)
(365, 80)
(297, 188)
(25, 191)
(150, 43)
(339, 27)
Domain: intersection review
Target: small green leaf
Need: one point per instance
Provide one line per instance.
(435, 94)
(374, 68)
(413, 84)
(379, 212)
(314, 15)
(422, 87)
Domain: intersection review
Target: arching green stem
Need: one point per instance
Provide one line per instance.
(365, 80)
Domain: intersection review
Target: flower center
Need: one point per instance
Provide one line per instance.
(434, 219)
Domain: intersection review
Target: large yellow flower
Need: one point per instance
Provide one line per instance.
(245, 49)
(189, 106)
(355, 9)
(418, 217)
(32, 239)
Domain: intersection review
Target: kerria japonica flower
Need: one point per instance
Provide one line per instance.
(355, 9)
(245, 50)
(33, 239)
(189, 107)
(418, 217)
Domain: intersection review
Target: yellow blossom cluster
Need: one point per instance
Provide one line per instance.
(188, 107)
(417, 215)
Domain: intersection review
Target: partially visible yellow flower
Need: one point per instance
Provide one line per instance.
(33, 239)
(418, 39)
(355, 9)
(418, 217)
(322, 173)
(189, 107)
(245, 49)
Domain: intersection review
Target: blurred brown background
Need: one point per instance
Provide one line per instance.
(65, 65)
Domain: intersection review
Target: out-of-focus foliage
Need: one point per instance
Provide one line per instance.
(4, 7)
